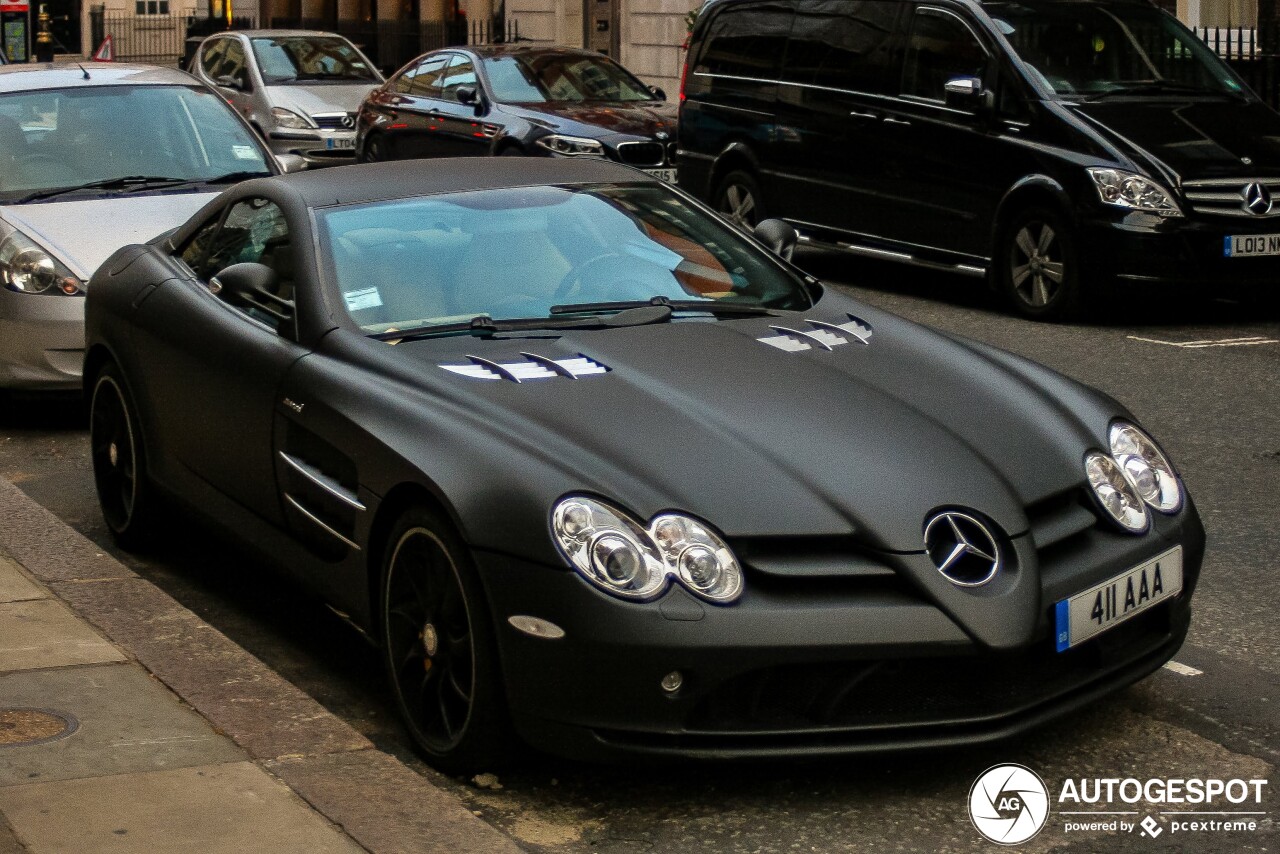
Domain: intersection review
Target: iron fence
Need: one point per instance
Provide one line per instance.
(158, 39)
(1252, 52)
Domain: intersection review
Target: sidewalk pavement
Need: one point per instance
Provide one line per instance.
(129, 725)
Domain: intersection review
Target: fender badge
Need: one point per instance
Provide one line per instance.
(1247, 161)
(296, 407)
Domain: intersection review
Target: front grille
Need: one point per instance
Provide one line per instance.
(641, 153)
(1226, 196)
(913, 692)
(333, 121)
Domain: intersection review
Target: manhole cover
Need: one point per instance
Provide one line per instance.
(32, 726)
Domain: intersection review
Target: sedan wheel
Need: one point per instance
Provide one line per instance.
(375, 149)
(438, 649)
(118, 461)
(1041, 276)
(740, 201)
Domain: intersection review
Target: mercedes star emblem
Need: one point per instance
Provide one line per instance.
(1257, 199)
(348, 121)
(962, 548)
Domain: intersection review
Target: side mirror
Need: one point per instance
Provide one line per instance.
(779, 236)
(658, 93)
(290, 163)
(467, 95)
(252, 285)
(965, 93)
(227, 81)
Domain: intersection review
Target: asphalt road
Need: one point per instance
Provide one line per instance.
(1200, 373)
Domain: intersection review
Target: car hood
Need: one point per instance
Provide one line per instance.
(863, 439)
(320, 98)
(82, 233)
(1195, 139)
(629, 119)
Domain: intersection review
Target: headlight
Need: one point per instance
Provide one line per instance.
(289, 119)
(621, 556)
(1146, 467)
(571, 146)
(28, 269)
(1115, 493)
(1126, 190)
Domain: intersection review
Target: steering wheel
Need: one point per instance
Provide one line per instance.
(597, 265)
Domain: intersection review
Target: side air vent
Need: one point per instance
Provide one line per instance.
(532, 367)
(825, 335)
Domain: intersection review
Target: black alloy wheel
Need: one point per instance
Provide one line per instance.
(1041, 273)
(740, 201)
(119, 461)
(438, 648)
(375, 149)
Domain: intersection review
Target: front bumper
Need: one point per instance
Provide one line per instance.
(317, 147)
(819, 668)
(41, 341)
(1183, 251)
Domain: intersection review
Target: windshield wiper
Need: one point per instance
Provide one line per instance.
(128, 182)
(228, 178)
(640, 315)
(1156, 87)
(709, 306)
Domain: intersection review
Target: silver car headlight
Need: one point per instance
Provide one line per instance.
(572, 146)
(1127, 190)
(1115, 493)
(1146, 467)
(626, 558)
(289, 119)
(29, 269)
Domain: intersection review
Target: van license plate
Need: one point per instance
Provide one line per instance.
(1117, 599)
(1251, 245)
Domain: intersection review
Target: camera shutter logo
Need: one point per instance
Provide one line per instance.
(1009, 804)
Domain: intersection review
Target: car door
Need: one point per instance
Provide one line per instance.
(830, 149)
(214, 368)
(462, 133)
(237, 79)
(416, 129)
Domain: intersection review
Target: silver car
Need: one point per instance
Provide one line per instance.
(300, 89)
(92, 160)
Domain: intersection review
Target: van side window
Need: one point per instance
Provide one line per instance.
(940, 48)
(842, 45)
(746, 41)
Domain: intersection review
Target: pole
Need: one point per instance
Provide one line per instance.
(44, 38)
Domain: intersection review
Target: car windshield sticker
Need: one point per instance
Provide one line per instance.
(244, 152)
(362, 299)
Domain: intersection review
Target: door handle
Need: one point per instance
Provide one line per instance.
(858, 114)
(890, 120)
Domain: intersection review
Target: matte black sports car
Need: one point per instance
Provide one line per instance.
(584, 459)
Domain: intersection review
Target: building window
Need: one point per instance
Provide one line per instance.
(151, 7)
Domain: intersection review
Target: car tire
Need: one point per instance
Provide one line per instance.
(512, 151)
(739, 200)
(439, 649)
(120, 462)
(1039, 267)
(374, 150)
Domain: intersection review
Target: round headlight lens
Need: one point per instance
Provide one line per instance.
(32, 271)
(1115, 493)
(701, 560)
(1146, 467)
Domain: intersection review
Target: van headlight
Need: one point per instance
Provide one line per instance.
(29, 269)
(1127, 190)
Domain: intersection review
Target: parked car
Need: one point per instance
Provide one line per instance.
(518, 99)
(91, 160)
(585, 459)
(1063, 149)
(299, 89)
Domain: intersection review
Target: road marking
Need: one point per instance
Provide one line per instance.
(1182, 669)
(1248, 341)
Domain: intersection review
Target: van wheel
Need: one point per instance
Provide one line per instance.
(739, 200)
(1039, 267)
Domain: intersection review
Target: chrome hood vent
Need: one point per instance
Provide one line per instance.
(531, 367)
(828, 336)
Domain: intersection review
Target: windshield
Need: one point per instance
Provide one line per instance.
(561, 77)
(288, 59)
(1086, 49)
(515, 253)
(68, 137)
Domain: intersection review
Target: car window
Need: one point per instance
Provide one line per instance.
(842, 45)
(746, 41)
(941, 47)
(211, 57)
(286, 59)
(252, 230)
(234, 63)
(461, 72)
(423, 80)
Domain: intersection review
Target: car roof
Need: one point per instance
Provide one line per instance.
(23, 77)
(518, 49)
(376, 182)
(276, 34)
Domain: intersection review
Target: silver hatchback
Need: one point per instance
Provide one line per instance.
(301, 89)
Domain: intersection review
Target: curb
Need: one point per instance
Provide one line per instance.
(381, 803)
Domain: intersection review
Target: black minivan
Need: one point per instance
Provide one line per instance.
(1060, 146)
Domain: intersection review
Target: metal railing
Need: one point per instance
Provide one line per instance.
(1252, 52)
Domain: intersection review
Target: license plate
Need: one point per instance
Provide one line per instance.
(340, 142)
(1117, 599)
(1251, 245)
(668, 175)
